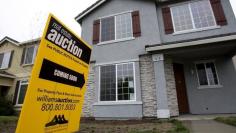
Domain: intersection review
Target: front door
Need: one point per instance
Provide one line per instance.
(181, 88)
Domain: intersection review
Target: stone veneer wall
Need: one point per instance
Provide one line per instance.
(171, 88)
(89, 98)
(148, 88)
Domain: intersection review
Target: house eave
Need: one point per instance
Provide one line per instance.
(89, 9)
(9, 40)
(30, 41)
(156, 48)
(79, 17)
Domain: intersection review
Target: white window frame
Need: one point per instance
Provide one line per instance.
(34, 54)
(22, 82)
(193, 23)
(2, 68)
(115, 40)
(117, 101)
(207, 86)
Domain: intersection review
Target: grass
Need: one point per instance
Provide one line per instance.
(8, 124)
(7, 119)
(148, 131)
(179, 127)
(227, 120)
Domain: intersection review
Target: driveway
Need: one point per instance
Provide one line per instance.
(208, 126)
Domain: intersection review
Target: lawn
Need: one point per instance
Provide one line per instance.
(6, 119)
(135, 126)
(8, 125)
(227, 120)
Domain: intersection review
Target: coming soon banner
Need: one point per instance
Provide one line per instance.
(55, 94)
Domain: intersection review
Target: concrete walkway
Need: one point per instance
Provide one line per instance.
(208, 126)
(202, 117)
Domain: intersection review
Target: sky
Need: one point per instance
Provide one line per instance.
(24, 20)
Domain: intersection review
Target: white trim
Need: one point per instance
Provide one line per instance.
(135, 87)
(99, 84)
(208, 80)
(194, 29)
(210, 87)
(118, 103)
(6, 39)
(19, 89)
(115, 29)
(91, 9)
(34, 55)
(192, 43)
(30, 41)
(4, 59)
(7, 76)
(115, 41)
(116, 14)
(115, 18)
(116, 85)
(163, 113)
(116, 62)
(191, 15)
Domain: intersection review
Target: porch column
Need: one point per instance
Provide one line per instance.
(161, 90)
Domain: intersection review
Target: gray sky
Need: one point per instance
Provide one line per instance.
(25, 19)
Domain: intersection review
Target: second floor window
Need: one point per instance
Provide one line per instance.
(193, 15)
(29, 55)
(5, 60)
(116, 27)
(119, 27)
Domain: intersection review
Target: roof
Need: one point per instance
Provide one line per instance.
(19, 43)
(6, 38)
(98, 3)
(89, 9)
(6, 75)
(192, 42)
(30, 41)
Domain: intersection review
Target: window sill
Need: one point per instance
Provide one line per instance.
(118, 103)
(18, 106)
(3, 69)
(115, 41)
(210, 87)
(25, 65)
(196, 30)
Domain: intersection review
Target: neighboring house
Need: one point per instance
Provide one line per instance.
(160, 58)
(16, 61)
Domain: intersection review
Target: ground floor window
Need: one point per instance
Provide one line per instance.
(117, 82)
(207, 74)
(23, 84)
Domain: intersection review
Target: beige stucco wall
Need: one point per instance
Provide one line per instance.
(6, 81)
(20, 71)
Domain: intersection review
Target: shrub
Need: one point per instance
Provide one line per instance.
(6, 107)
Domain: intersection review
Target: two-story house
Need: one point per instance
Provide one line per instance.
(16, 62)
(160, 58)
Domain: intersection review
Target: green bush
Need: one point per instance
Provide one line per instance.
(6, 107)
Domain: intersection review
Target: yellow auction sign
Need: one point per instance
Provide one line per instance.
(55, 94)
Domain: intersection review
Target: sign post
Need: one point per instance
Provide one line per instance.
(55, 95)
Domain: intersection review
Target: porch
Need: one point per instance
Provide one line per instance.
(204, 77)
